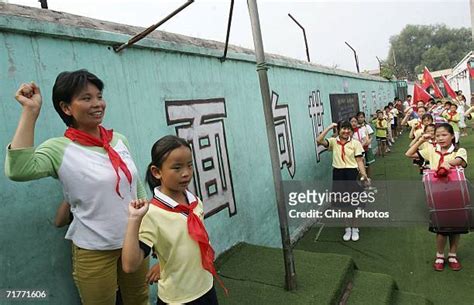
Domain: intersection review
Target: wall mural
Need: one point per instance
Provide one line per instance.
(316, 114)
(201, 123)
(374, 102)
(364, 104)
(281, 120)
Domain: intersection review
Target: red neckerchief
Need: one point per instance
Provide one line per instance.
(198, 232)
(106, 136)
(356, 130)
(379, 122)
(343, 152)
(451, 114)
(441, 157)
(419, 125)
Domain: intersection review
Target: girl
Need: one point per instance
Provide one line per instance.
(173, 227)
(422, 163)
(389, 118)
(443, 155)
(418, 129)
(380, 133)
(347, 164)
(98, 177)
(369, 155)
(461, 109)
(360, 133)
(416, 121)
(453, 118)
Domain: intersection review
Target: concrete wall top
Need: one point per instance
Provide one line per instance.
(25, 19)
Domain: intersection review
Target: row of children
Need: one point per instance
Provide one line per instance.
(435, 132)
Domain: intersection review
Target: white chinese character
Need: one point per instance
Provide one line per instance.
(201, 124)
(316, 113)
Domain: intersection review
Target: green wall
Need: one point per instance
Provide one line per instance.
(138, 81)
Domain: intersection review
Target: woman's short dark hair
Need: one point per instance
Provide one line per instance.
(68, 85)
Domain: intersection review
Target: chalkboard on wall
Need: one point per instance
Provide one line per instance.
(343, 106)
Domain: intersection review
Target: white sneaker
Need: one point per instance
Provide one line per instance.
(355, 234)
(347, 235)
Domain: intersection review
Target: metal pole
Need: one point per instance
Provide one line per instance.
(44, 4)
(147, 31)
(355, 56)
(228, 30)
(380, 63)
(471, 3)
(304, 35)
(290, 274)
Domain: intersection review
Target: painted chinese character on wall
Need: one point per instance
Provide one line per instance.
(316, 114)
(364, 104)
(284, 136)
(201, 123)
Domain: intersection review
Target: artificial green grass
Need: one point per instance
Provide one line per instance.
(405, 253)
(406, 298)
(254, 275)
(374, 287)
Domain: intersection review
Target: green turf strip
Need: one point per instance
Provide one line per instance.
(370, 287)
(258, 273)
(406, 298)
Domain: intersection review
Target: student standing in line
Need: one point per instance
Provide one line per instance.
(453, 118)
(381, 126)
(347, 164)
(443, 155)
(172, 226)
(369, 154)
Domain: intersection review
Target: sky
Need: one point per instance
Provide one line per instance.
(366, 25)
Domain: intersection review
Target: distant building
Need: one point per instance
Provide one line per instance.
(460, 78)
(375, 72)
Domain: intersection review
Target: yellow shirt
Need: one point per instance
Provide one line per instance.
(352, 149)
(380, 128)
(415, 123)
(183, 279)
(429, 153)
(424, 144)
(453, 120)
(418, 133)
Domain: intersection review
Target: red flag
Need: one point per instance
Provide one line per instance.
(420, 95)
(470, 69)
(448, 88)
(428, 80)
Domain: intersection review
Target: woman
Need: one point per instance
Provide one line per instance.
(98, 177)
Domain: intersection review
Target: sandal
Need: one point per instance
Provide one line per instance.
(438, 264)
(454, 265)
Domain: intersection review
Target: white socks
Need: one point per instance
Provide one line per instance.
(439, 258)
(351, 233)
(452, 258)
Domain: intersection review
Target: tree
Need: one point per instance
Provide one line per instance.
(435, 46)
